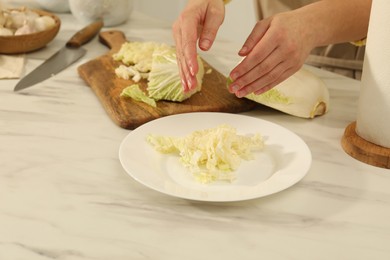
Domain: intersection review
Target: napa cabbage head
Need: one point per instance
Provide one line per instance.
(303, 95)
(164, 82)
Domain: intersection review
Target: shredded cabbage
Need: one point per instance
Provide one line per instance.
(138, 54)
(127, 72)
(211, 154)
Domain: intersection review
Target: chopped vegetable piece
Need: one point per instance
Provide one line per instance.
(138, 54)
(134, 92)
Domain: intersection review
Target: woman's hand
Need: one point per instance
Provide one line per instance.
(275, 49)
(278, 46)
(199, 21)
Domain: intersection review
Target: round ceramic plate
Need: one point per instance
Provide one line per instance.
(284, 161)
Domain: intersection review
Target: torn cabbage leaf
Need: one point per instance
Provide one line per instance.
(135, 92)
(211, 154)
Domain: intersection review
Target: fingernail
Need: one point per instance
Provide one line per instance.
(234, 88)
(234, 76)
(183, 83)
(189, 85)
(239, 94)
(192, 70)
(243, 50)
(205, 44)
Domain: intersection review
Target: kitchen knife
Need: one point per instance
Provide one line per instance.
(67, 55)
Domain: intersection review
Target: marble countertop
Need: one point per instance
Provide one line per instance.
(64, 194)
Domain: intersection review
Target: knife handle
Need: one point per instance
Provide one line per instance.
(112, 39)
(85, 34)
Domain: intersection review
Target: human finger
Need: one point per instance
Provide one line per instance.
(185, 50)
(288, 73)
(254, 37)
(258, 54)
(268, 81)
(187, 35)
(213, 20)
(258, 71)
(179, 57)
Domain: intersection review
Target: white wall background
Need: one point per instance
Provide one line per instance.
(239, 19)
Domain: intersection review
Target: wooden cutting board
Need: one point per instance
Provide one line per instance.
(99, 74)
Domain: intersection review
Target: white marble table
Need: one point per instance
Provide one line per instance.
(64, 194)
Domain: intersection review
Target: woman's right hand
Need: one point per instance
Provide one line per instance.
(198, 23)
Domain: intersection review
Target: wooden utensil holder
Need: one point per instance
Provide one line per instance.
(364, 151)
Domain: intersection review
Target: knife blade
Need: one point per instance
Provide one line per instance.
(71, 52)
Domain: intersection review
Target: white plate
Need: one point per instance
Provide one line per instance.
(285, 160)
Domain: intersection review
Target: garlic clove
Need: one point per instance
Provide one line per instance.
(6, 32)
(25, 29)
(43, 23)
(15, 19)
(2, 18)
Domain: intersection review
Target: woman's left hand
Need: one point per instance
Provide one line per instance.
(275, 49)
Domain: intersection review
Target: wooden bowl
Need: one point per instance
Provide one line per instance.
(30, 42)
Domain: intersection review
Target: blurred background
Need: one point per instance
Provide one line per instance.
(239, 20)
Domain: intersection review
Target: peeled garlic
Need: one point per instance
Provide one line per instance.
(24, 21)
(16, 19)
(5, 32)
(302, 95)
(25, 29)
(19, 18)
(2, 18)
(43, 23)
